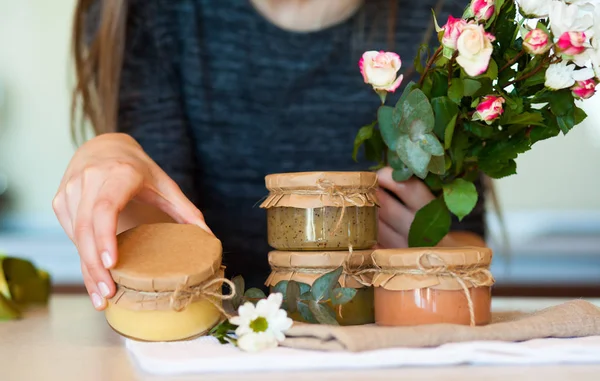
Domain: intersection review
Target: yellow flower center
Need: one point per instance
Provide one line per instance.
(259, 324)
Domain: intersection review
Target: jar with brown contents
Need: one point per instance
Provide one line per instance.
(433, 285)
(321, 210)
(306, 267)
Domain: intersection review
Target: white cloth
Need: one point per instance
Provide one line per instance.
(206, 355)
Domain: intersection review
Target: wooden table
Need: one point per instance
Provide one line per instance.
(70, 341)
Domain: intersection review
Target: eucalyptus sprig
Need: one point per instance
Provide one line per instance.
(314, 303)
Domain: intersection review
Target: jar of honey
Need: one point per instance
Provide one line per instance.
(169, 279)
(432, 285)
(306, 267)
(321, 210)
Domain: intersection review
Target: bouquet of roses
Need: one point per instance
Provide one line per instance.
(505, 76)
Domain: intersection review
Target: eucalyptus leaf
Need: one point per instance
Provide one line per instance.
(306, 314)
(254, 293)
(322, 313)
(292, 296)
(430, 144)
(400, 175)
(394, 160)
(460, 197)
(323, 285)
(415, 158)
(306, 296)
(389, 131)
(430, 225)
(240, 286)
(342, 295)
(397, 113)
(280, 287)
(417, 115)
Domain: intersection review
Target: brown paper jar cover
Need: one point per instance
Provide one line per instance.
(406, 259)
(313, 189)
(160, 258)
(306, 266)
(425, 286)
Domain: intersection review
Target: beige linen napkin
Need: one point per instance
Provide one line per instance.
(572, 319)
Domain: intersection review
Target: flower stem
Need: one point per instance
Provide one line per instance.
(512, 62)
(531, 73)
(429, 64)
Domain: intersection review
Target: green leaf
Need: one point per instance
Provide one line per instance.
(566, 123)
(322, 313)
(437, 165)
(280, 287)
(478, 129)
(526, 118)
(322, 287)
(306, 314)
(459, 149)
(255, 293)
(433, 182)
(460, 197)
(501, 170)
(238, 281)
(342, 295)
(549, 130)
(423, 48)
(8, 309)
(400, 175)
(562, 102)
(537, 79)
(417, 115)
(579, 115)
(430, 225)
(306, 296)
(292, 295)
(389, 131)
(375, 148)
(456, 91)
(449, 133)
(394, 160)
(445, 111)
(430, 144)
(413, 156)
(440, 84)
(492, 71)
(506, 27)
(27, 285)
(397, 113)
(364, 134)
(470, 86)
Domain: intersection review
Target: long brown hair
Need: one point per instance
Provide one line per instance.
(98, 47)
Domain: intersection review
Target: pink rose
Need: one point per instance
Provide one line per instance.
(571, 44)
(585, 89)
(474, 49)
(483, 10)
(452, 31)
(379, 69)
(489, 109)
(537, 42)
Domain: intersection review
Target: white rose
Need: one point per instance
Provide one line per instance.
(534, 8)
(576, 17)
(474, 49)
(562, 75)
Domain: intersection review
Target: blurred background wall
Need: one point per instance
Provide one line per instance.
(552, 207)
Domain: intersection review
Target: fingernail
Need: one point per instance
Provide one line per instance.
(106, 259)
(96, 300)
(103, 289)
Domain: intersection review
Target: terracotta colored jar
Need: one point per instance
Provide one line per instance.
(316, 211)
(433, 285)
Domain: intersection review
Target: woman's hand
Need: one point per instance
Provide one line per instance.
(105, 174)
(396, 217)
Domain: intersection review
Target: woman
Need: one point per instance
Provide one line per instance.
(195, 101)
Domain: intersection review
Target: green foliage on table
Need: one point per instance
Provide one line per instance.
(242, 295)
(21, 285)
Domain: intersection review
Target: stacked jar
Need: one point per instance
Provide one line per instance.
(318, 222)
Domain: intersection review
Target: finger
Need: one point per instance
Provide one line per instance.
(413, 192)
(168, 197)
(389, 238)
(85, 237)
(394, 214)
(113, 196)
(59, 205)
(98, 301)
(72, 199)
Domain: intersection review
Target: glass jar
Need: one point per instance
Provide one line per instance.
(167, 276)
(322, 228)
(433, 285)
(306, 267)
(321, 210)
